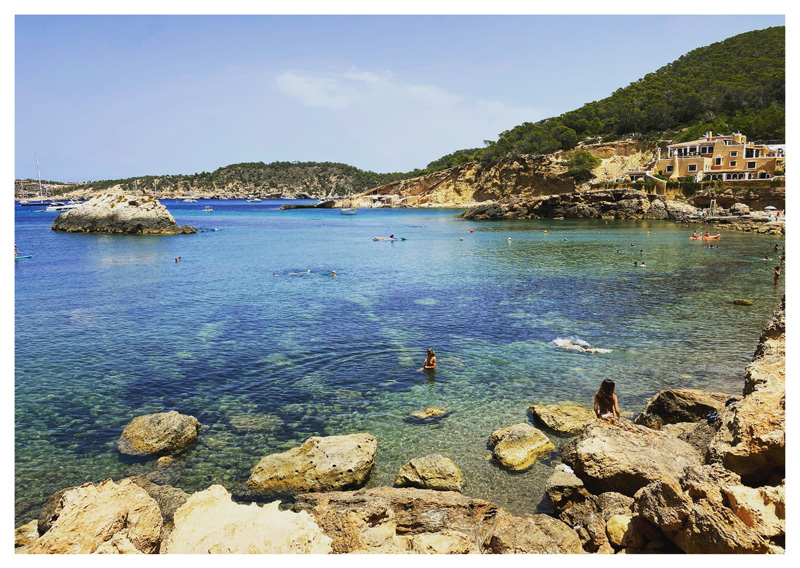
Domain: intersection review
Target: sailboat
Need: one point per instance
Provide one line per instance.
(41, 202)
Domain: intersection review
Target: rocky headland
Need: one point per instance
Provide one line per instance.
(120, 214)
(696, 472)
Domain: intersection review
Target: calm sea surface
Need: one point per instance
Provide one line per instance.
(110, 327)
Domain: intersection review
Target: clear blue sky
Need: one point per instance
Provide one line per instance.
(102, 97)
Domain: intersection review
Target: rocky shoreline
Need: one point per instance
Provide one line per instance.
(696, 472)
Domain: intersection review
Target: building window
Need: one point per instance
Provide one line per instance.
(706, 149)
(728, 142)
(692, 167)
(734, 154)
(732, 164)
(717, 161)
(751, 165)
(669, 169)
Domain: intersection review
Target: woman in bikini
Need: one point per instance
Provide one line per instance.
(605, 401)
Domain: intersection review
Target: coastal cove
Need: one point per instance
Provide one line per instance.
(250, 334)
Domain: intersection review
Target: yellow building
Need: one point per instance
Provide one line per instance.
(725, 158)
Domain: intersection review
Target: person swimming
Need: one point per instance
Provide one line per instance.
(605, 401)
(430, 361)
(576, 346)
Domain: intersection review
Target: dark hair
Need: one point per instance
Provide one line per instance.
(606, 393)
(431, 351)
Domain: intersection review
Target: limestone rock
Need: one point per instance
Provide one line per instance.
(169, 499)
(531, 534)
(517, 447)
(159, 433)
(763, 509)
(431, 472)
(210, 523)
(319, 464)
(739, 209)
(680, 405)
(564, 489)
(696, 434)
(563, 418)
(742, 302)
(26, 534)
(431, 414)
(622, 532)
(116, 213)
(444, 542)
(49, 512)
(388, 519)
(616, 455)
(91, 515)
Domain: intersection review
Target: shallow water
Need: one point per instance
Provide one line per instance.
(110, 327)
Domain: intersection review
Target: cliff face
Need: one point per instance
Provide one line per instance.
(516, 177)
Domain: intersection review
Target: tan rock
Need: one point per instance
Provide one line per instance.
(680, 405)
(319, 464)
(444, 542)
(26, 534)
(563, 418)
(159, 433)
(517, 447)
(431, 472)
(531, 534)
(763, 509)
(431, 413)
(209, 522)
(91, 515)
(564, 489)
(622, 532)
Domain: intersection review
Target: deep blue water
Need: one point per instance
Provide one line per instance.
(110, 327)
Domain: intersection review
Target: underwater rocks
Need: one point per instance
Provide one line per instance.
(517, 447)
(210, 523)
(431, 414)
(616, 455)
(319, 464)
(158, 434)
(680, 405)
(431, 472)
(104, 518)
(563, 418)
(123, 214)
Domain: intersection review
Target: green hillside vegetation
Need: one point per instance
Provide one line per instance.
(734, 85)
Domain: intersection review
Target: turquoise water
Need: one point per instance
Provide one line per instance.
(110, 327)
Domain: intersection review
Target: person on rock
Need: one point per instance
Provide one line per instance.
(605, 401)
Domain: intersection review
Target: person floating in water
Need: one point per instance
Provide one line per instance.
(642, 265)
(430, 361)
(605, 401)
(333, 273)
(585, 348)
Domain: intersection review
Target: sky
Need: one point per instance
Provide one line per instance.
(107, 97)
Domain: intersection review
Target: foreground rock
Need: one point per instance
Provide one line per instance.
(394, 521)
(617, 455)
(431, 472)
(563, 418)
(159, 434)
(517, 447)
(104, 518)
(25, 535)
(680, 405)
(210, 523)
(124, 214)
(319, 464)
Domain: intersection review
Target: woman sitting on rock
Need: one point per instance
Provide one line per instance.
(605, 401)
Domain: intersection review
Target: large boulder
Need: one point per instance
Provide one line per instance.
(25, 535)
(320, 464)
(563, 418)
(696, 434)
(169, 499)
(391, 520)
(616, 455)
(564, 489)
(531, 534)
(588, 518)
(119, 213)
(739, 209)
(210, 523)
(763, 509)
(158, 434)
(680, 405)
(517, 447)
(431, 472)
(107, 517)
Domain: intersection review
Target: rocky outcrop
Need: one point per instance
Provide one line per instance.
(763, 509)
(25, 536)
(680, 405)
(563, 418)
(319, 464)
(123, 214)
(517, 447)
(103, 518)
(589, 204)
(158, 434)
(531, 534)
(589, 516)
(431, 472)
(210, 523)
(617, 455)
(564, 489)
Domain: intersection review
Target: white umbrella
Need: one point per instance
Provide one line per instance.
(770, 208)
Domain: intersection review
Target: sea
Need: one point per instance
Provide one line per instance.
(252, 334)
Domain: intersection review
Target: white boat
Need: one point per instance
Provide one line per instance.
(252, 199)
(348, 211)
(208, 209)
(53, 207)
(190, 200)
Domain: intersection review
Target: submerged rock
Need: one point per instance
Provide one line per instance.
(158, 434)
(517, 447)
(125, 214)
(431, 472)
(210, 523)
(107, 518)
(431, 413)
(563, 418)
(319, 464)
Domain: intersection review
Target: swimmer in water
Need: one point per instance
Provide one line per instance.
(642, 265)
(333, 273)
(430, 361)
(567, 344)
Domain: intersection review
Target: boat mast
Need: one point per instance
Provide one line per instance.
(39, 176)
